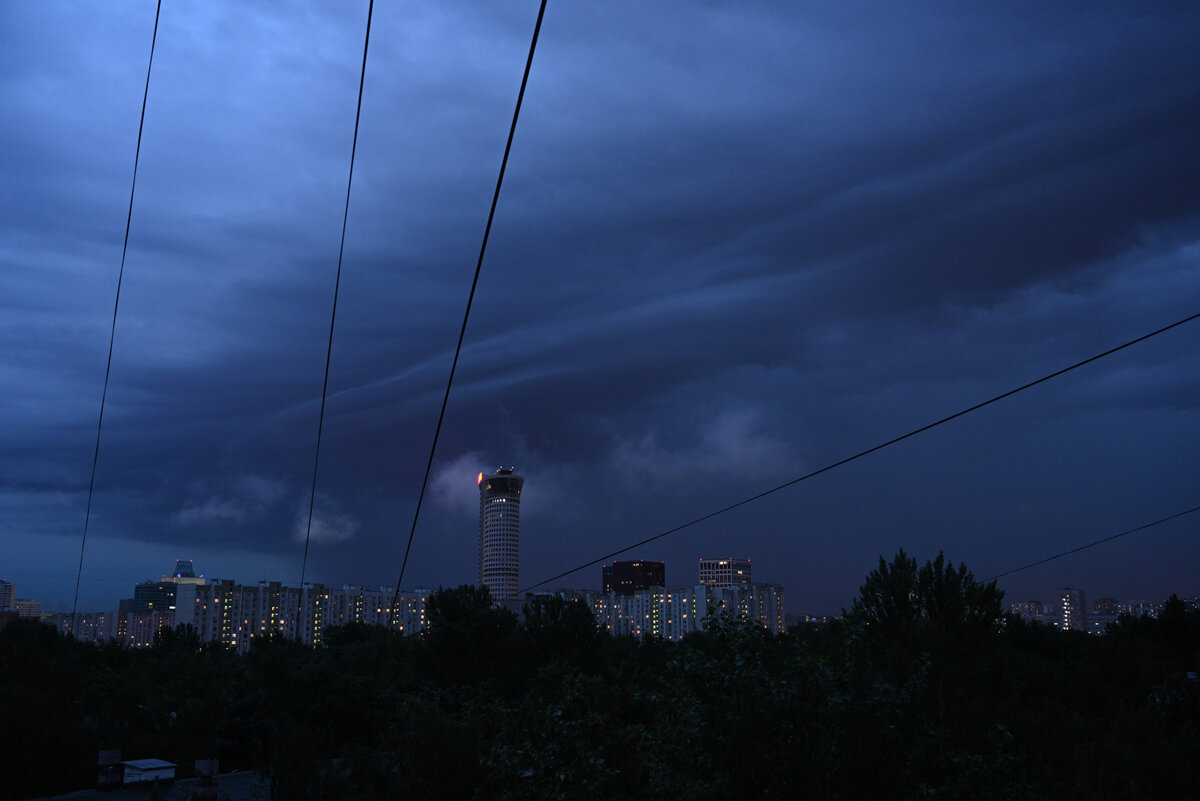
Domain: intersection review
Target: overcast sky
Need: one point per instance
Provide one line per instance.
(737, 241)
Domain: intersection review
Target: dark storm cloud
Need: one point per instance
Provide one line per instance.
(736, 242)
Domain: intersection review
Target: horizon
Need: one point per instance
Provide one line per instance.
(1047, 597)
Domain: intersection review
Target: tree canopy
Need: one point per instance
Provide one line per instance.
(918, 693)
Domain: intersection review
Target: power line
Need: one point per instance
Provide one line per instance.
(868, 451)
(470, 297)
(1109, 538)
(112, 334)
(337, 282)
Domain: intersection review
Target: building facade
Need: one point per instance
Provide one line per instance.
(674, 612)
(154, 596)
(629, 577)
(1098, 622)
(88, 626)
(237, 614)
(1139, 608)
(1029, 610)
(27, 607)
(1073, 609)
(728, 572)
(1105, 606)
(500, 533)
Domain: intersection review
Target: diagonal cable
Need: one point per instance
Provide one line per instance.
(337, 282)
(470, 299)
(1093, 544)
(112, 334)
(868, 451)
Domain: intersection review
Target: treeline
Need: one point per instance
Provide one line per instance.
(924, 690)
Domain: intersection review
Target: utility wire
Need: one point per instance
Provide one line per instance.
(337, 282)
(470, 299)
(112, 334)
(868, 451)
(1094, 544)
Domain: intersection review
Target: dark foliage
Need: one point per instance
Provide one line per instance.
(924, 690)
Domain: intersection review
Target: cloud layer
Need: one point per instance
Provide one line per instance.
(735, 242)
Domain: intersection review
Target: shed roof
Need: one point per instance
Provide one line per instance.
(148, 764)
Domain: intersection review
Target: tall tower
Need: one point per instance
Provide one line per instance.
(500, 532)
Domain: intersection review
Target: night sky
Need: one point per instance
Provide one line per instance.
(737, 241)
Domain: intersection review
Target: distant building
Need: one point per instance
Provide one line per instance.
(500, 532)
(1139, 608)
(1027, 610)
(1073, 616)
(626, 577)
(237, 614)
(725, 572)
(27, 607)
(674, 612)
(141, 628)
(154, 596)
(184, 573)
(761, 603)
(234, 614)
(1105, 606)
(656, 612)
(88, 626)
(124, 609)
(8, 594)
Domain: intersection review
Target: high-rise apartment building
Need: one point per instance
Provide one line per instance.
(1073, 609)
(27, 607)
(674, 612)
(1029, 610)
(725, 572)
(627, 577)
(154, 596)
(8, 594)
(1105, 606)
(1139, 608)
(500, 532)
(237, 614)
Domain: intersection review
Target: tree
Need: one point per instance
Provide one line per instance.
(467, 638)
(937, 613)
(930, 633)
(886, 602)
(558, 628)
(951, 600)
(897, 600)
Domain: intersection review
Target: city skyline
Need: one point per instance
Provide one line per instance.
(1048, 603)
(736, 243)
